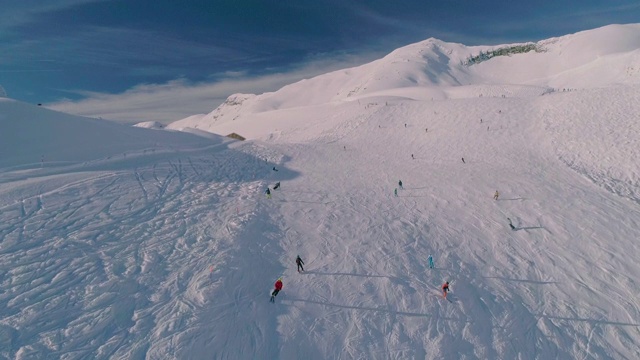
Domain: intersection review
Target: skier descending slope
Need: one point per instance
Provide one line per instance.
(445, 289)
(299, 262)
(276, 290)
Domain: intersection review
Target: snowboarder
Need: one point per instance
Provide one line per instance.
(268, 192)
(276, 290)
(299, 262)
(445, 289)
(511, 224)
(277, 185)
(463, 161)
(495, 196)
(400, 184)
(395, 191)
(430, 258)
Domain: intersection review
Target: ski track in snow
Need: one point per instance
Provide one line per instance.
(172, 256)
(121, 264)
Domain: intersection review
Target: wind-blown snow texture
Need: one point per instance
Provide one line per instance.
(132, 243)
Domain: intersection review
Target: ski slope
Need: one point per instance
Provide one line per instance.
(133, 243)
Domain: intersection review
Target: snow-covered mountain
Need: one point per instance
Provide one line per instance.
(124, 242)
(433, 69)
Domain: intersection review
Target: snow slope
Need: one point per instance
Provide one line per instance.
(164, 246)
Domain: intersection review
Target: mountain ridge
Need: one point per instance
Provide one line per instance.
(434, 69)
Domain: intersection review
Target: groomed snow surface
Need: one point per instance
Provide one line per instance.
(131, 243)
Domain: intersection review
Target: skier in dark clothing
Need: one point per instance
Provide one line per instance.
(276, 290)
(511, 225)
(268, 192)
(299, 262)
(400, 184)
(277, 185)
(463, 161)
(274, 169)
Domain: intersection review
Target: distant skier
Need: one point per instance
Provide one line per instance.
(276, 186)
(430, 258)
(405, 125)
(445, 289)
(268, 192)
(511, 224)
(274, 169)
(276, 290)
(463, 161)
(395, 191)
(412, 156)
(426, 130)
(400, 184)
(495, 196)
(299, 262)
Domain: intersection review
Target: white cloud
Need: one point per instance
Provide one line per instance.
(180, 98)
(18, 12)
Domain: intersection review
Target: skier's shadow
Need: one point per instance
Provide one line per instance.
(349, 274)
(522, 280)
(529, 228)
(381, 309)
(450, 298)
(303, 201)
(397, 280)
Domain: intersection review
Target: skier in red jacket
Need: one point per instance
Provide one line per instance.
(445, 289)
(278, 287)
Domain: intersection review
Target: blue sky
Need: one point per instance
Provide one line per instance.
(137, 60)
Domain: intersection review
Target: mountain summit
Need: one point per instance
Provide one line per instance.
(437, 70)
